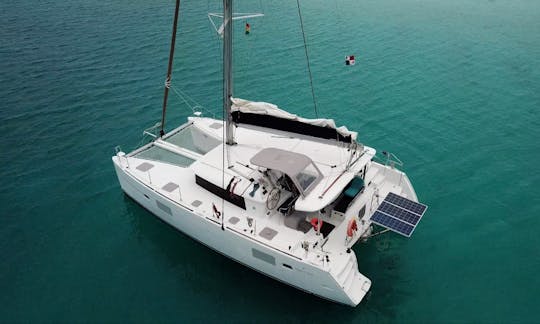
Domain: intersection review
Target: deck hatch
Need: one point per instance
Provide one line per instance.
(196, 203)
(268, 233)
(170, 187)
(145, 166)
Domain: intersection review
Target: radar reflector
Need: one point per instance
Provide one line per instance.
(399, 214)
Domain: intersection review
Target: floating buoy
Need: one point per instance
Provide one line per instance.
(316, 223)
(352, 227)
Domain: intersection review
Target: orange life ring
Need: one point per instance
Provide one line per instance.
(316, 223)
(351, 228)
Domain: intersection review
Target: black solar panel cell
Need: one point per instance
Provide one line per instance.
(405, 203)
(399, 213)
(392, 223)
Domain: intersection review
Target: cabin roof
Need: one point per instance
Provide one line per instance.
(287, 162)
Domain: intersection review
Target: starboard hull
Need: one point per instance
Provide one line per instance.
(239, 247)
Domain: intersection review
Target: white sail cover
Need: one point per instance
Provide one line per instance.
(264, 108)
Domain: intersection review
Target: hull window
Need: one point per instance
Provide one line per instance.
(263, 256)
(164, 208)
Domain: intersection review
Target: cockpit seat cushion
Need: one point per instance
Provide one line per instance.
(354, 187)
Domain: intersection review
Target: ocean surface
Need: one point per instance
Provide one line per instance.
(451, 87)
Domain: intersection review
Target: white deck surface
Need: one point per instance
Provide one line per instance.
(331, 159)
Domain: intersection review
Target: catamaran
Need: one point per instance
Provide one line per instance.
(284, 195)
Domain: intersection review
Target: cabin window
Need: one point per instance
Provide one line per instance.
(307, 176)
(362, 212)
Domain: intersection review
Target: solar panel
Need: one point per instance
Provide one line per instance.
(391, 223)
(405, 203)
(399, 214)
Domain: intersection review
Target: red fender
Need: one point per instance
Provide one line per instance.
(316, 223)
(351, 228)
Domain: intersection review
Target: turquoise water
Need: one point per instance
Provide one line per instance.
(451, 87)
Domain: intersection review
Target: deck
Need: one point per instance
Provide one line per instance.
(174, 166)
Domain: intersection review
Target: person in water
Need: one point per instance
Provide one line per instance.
(248, 28)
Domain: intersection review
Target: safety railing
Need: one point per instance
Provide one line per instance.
(389, 159)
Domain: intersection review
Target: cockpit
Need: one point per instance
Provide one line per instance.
(292, 167)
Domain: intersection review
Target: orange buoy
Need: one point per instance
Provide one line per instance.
(351, 228)
(316, 223)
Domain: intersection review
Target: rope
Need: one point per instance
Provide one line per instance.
(307, 59)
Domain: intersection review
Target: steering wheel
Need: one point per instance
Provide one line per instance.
(273, 198)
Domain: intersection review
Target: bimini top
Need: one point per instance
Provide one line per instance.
(270, 116)
(299, 167)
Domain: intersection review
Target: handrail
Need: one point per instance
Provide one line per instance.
(149, 130)
(391, 159)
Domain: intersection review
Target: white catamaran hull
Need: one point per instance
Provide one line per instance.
(347, 286)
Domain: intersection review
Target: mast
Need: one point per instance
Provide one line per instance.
(169, 69)
(227, 69)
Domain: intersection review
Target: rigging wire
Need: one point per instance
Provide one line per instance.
(227, 91)
(307, 59)
(223, 149)
(192, 103)
(219, 48)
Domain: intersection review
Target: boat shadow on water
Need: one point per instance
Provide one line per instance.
(382, 261)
